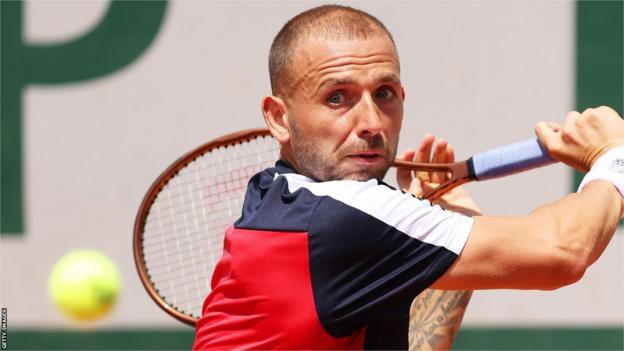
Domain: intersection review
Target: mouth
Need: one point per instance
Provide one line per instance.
(367, 157)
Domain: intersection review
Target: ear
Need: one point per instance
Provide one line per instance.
(403, 93)
(275, 117)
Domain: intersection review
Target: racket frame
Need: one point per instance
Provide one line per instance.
(152, 194)
(458, 173)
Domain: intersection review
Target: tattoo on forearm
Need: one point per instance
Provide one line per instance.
(435, 317)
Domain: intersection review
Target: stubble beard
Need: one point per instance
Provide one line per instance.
(311, 163)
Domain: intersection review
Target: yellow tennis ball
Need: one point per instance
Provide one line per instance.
(84, 284)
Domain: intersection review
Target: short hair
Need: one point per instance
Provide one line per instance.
(324, 22)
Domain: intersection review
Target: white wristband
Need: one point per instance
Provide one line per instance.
(609, 167)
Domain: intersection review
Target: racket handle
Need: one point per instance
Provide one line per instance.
(509, 159)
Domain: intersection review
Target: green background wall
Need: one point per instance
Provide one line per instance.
(468, 339)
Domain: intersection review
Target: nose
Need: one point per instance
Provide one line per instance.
(368, 118)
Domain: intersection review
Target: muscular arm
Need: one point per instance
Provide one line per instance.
(435, 318)
(547, 249)
(436, 315)
(555, 244)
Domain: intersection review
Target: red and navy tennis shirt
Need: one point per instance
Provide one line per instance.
(325, 265)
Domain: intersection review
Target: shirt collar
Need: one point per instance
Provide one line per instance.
(283, 167)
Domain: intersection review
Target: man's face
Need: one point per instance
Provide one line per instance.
(345, 107)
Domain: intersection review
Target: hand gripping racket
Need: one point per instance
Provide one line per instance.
(179, 229)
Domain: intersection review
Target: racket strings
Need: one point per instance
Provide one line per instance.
(212, 209)
(183, 232)
(212, 188)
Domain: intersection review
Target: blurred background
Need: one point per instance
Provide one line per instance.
(98, 97)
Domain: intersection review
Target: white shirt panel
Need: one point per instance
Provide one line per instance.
(416, 218)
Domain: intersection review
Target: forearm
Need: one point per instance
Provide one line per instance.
(547, 249)
(583, 223)
(435, 318)
(436, 315)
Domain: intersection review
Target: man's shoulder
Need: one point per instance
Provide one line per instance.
(341, 189)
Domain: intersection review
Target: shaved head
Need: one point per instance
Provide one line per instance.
(328, 22)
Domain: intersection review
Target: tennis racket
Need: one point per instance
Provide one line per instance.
(179, 228)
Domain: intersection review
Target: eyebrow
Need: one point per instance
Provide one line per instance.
(335, 81)
(389, 78)
(384, 78)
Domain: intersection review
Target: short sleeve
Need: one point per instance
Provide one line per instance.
(373, 249)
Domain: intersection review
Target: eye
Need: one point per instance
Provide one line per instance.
(336, 98)
(384, 94)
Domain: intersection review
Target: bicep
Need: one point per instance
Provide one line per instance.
(547, 249)
(504, 252)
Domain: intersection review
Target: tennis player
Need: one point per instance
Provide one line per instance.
(327, 256)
